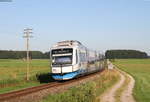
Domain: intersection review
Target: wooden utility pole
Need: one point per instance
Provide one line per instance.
(27, 35)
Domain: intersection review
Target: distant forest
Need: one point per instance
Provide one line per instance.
(124, 54)
(110, 54)
(5, 54)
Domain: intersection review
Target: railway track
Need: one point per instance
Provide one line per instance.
(7, 96)
(14, 94)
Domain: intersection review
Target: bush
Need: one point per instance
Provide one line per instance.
(83, 93)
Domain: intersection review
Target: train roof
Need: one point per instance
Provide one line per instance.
(70, 42)
(67, 43)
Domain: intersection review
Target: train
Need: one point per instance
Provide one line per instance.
(70, 59)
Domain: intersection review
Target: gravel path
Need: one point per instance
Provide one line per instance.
(126, 96)
(109, 95)
(127, 93)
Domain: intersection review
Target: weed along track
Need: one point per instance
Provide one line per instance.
(36, 93)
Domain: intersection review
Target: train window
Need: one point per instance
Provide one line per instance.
(76, 56)
(62, 51)
(82, 57)
(62, 60)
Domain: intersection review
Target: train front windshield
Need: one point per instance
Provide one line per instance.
(62, 56)
(62, 60)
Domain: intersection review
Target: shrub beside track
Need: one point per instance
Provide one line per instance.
(87, 92)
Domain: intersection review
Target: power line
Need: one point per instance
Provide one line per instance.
(27, 35)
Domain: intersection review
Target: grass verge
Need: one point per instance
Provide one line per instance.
(140, 70)
(87, 92)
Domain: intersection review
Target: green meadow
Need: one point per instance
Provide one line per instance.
(140, 70)
(13, 73)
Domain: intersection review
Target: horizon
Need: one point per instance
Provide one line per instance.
(91, 49)
(98, 25)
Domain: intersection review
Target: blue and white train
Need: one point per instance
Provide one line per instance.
(71, 59)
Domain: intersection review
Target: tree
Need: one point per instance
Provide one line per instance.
(118, 54)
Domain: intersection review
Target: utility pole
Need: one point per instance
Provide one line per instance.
(27, 35)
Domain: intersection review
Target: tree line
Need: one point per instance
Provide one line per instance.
(110, 54)
(5, 54)
(125, 54)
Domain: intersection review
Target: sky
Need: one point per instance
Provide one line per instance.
(98, 24)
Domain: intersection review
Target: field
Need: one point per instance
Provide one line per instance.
(140, 70)
(13, 73)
